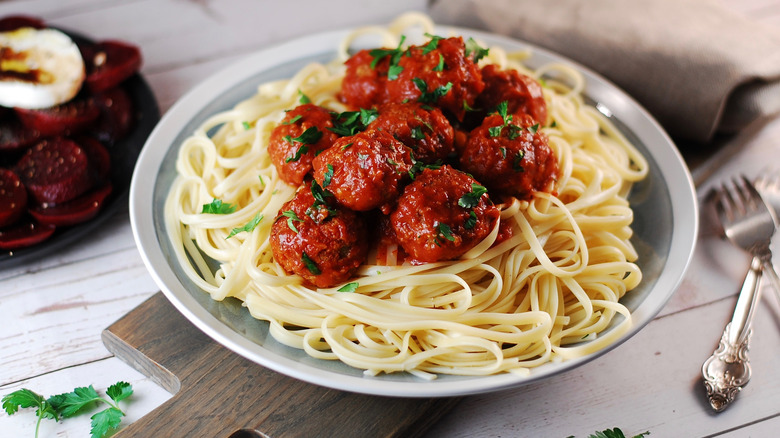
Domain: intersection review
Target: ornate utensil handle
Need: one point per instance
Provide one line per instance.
(728, 369)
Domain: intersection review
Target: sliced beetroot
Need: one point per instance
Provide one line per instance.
(13, 198)
(54, 170)
(98, 157)
(13, 22)
(116, 115)
(79, 210)
(14, 136)
(109, 63)
(66, 119)
(25, 233)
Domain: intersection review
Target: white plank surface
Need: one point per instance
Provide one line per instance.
(54, 309)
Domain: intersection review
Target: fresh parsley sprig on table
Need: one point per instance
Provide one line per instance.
(71, 404)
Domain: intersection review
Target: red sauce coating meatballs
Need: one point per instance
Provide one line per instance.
(294, 143)
(438, 73)
(510, 156)
(363, 85)
(364, 171)
(422, 128)
(321, 242)
(442, 214)
(522, 93)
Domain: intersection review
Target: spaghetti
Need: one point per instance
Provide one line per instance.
(548, 292)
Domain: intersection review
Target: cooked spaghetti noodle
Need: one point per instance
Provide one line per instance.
(547, 293)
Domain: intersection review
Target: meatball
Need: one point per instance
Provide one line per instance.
(424, 129)
(510, 156)
(439, 74)
(298, 139)
(363, 86)
(319, 241)
(364, 171)
(522, 93)
(442, 214)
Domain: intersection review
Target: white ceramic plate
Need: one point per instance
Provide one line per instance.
(666, 222)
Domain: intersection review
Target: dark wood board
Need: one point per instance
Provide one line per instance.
(217, 393)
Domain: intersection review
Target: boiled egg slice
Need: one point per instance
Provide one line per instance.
(38, 68)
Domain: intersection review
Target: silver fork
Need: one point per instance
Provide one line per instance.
(748, 223)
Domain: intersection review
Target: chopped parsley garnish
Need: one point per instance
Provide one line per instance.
(395, 55)
(445, 231)
(218, 207)
(471, 221)
(430, 96)
(248, 227)
(310, 265)
(327, 176)
(301, 150)
(417, 133)
(320, 196)
(349, 287)
(432, 45)
(418, 166)
(303, 99)
(291, 216)
(246, 126)
(516, 163)
(346, 146)
(351, 122)
(309, 136)
(501, 109)
(441, 65)
(533, 129)
(293, 120)
(471, 199)
(472, 47)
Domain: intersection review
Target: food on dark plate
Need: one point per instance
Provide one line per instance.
(58, 121)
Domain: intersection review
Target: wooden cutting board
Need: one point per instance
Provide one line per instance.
(218, 393)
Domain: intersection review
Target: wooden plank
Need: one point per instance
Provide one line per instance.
(218, 392)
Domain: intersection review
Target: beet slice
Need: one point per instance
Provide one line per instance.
(98, 157)
(109, 63)
(13, 22)
(79, 210)
(65, 119)
(14, 136)
(25, 233)
(116, 115)
(54, 170)
(13, 198)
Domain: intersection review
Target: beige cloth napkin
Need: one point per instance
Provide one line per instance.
(697, 66)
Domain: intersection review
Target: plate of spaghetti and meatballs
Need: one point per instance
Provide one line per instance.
(413, 210)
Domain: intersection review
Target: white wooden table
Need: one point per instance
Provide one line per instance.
(53, 310)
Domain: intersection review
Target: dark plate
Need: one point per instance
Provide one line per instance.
(123, 153)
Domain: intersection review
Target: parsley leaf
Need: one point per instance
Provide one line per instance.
(104, 421)
(320, 196)
(309, 136)
(432, 45)
(441, 65)
(246, 126)
(472, 47)
(310, 265)
(301, 150)
(73, 403)
(291, 216)
(218, 207)
(430, 96)
(471, 221)
(517, 162)
(395, 55)
(303, 99)
(351, 122)
(471, 199)
(327, 176)
(293, 120)
(248, 227)
(615, 433)
(349, 287)
(445, 231)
